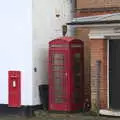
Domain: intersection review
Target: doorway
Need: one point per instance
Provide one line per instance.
(114, 74)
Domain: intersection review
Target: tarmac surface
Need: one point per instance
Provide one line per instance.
(42, 115)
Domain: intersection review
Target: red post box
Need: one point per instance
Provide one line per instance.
(14, 85)
(66, 74)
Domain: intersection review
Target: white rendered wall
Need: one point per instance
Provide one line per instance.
(16, 46)
(46, 27)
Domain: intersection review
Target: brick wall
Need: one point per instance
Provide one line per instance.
(82, 13)
(97, 3)
(96, 7)
(99, 52)
(95, 49)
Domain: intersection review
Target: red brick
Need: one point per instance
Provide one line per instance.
(98, 52)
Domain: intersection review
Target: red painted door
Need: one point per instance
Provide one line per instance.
(14, 85)
(58, 97)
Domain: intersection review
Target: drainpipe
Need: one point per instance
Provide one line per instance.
(98, 72)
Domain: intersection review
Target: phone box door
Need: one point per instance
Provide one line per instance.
(58, 98)
(14, 84)
(78, 78)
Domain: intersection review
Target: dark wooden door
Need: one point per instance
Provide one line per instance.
(114, 74)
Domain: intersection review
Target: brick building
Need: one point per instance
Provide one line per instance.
(98, 25)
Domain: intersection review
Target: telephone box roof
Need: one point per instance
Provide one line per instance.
(66, 40)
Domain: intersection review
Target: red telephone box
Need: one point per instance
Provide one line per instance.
(66, 74)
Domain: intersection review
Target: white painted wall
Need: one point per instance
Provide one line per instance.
(46, 27)
(16, 46)
(26, 27)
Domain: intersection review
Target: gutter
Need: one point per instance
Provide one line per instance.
(94, 22)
